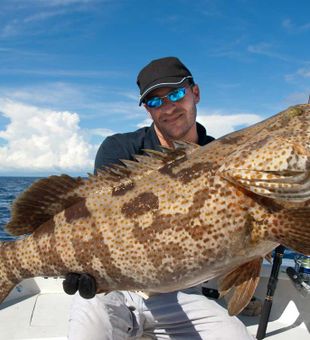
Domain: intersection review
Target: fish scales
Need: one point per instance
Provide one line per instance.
(173, 219)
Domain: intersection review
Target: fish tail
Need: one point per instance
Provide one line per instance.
(292, 229)
(7, 282)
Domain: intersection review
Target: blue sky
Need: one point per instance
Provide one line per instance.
(68, 70)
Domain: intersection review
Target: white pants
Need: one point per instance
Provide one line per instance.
(182, 315)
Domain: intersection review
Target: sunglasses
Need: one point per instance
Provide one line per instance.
(173, 96)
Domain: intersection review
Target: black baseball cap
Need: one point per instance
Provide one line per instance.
(163, 72)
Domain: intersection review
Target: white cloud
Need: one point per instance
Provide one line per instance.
(304, 72)
(54, 8)
(298, 76)
(101, 132)
(41, 11)
(61, 73)
(41, 16)
(9, 30)
(219, 123)
(44, 94)
(145, 122)
(292, 27)
(287, 24)
(48, 3)
(63, 2)
(230, 49)
(92, 101)
(43, 140)
(267, 49)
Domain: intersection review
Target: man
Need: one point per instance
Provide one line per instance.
(169, 94)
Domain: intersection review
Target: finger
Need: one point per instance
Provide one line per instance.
(87, 286)
(71, 283)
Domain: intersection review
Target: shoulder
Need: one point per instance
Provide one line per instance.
(123, 146)
(130, 142)
(203, 138)
(134, 137)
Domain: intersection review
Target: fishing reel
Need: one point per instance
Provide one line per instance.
(300, 275)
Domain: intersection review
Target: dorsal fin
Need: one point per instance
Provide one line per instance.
(116, 175)
(41, 201)
(188, 147)
(49, 196)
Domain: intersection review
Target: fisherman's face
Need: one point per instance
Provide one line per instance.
(175, 120)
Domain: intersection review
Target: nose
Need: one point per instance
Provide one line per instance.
(168, 105)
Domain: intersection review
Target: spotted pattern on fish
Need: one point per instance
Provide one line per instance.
(76, 211)
(140, 205)
(46, 246)
(185, 175)
(88, 244)
(286, 118)
(174, 219)
(122, 189)
(232, 140)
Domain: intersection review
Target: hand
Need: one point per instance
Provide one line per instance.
(84, 283)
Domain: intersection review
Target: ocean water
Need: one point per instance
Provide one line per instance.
(10, 188)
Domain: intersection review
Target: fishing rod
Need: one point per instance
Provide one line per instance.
(271, 287)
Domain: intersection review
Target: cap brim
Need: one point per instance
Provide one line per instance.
(167, 82)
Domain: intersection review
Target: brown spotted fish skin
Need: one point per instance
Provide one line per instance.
(174, 218)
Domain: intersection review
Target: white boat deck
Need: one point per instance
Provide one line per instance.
(290, 314)
(38, 309)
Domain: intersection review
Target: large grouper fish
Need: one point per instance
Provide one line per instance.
(172, 219)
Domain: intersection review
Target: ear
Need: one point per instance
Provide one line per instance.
(196, 93)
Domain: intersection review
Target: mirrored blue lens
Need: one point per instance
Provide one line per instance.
(173, 96)
(154, 102)
(176, 95)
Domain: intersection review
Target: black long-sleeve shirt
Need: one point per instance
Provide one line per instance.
(126, 145)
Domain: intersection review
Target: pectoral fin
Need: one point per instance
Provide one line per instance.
(284, 185)
(243, 282)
